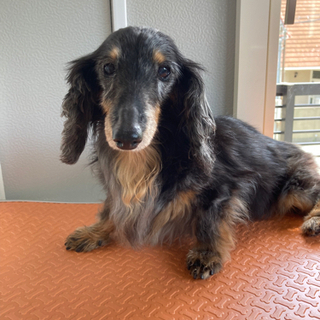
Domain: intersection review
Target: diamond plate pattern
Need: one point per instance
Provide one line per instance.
(274, 273)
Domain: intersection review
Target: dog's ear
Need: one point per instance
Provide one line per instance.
(80, 106)
(198, 122)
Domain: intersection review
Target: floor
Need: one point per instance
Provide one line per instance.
(274, 273)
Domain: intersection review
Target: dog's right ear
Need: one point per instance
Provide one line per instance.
(80, 105)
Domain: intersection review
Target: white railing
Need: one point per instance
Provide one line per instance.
(295, 121)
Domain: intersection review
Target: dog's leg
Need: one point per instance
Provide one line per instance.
(311, 225)
(303, 192)
(91, 237)
(214, 243)
(214, 233)
(303, 201)
(295, 201)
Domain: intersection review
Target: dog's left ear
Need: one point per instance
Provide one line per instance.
(80, 107)
(199, 123)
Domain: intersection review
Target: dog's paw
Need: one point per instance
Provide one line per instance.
(82, 240)
(203, 263)
(311, 227)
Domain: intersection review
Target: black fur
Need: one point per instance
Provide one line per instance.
(208, 174)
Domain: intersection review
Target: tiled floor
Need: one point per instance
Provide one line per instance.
(274, 273)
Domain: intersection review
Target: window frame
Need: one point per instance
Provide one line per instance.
(256, 53)
(118, 14)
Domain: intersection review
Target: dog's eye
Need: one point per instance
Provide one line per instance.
(164, 73)
(109, 69)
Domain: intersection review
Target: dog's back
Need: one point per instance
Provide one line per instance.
(264, 171)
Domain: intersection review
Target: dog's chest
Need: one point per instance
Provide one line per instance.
(148, 222)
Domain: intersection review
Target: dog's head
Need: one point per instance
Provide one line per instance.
(123, 85)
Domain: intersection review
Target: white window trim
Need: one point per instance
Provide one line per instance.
(257, 33)
(118, 14)
(2, 192)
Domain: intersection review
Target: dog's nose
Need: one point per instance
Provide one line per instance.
(128, 140)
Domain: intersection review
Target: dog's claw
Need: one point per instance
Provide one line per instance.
(84, 239)
(203, 263)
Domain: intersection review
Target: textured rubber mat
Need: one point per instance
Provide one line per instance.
(274, 273)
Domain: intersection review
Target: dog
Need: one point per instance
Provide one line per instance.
(169, 169)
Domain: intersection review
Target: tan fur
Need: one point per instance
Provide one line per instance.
(92, 237)
(226, 241)
(106, 106)
(236, 212)
(152, 114)
(114, 53)
(158, 56)
(108, 132)
(303, 168)
(295, 201)
(315, 212)
(311, 225)
(177, 208)
(136, 172)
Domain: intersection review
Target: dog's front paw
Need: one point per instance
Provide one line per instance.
(311, 227)
(83, 240)
(203, 263)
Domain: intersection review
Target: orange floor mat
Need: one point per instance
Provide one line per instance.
(274, 273)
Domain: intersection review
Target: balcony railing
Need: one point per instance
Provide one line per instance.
(297, 115)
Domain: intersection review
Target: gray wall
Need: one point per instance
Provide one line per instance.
(204, 30)
(38, 37)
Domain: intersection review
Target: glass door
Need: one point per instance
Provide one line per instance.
(297, 112)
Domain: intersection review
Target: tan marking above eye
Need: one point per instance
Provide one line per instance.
(114, 53)
(158, 56)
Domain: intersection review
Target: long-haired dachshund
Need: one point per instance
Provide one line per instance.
(169, 169)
